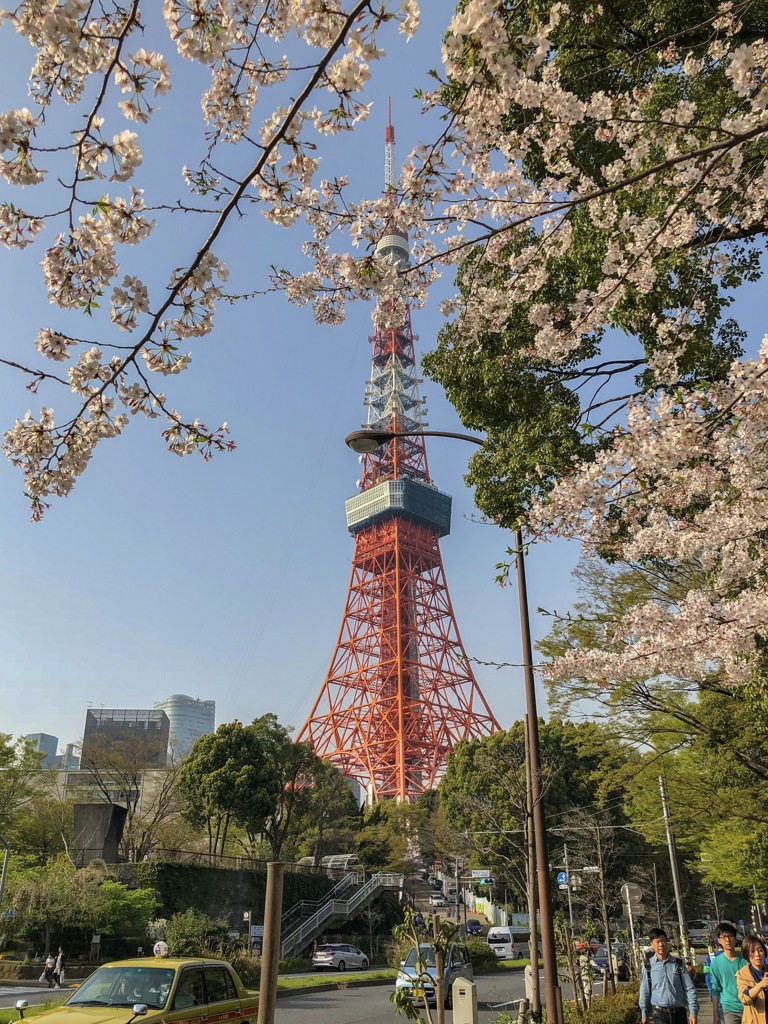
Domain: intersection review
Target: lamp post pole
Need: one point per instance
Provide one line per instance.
(367, 441)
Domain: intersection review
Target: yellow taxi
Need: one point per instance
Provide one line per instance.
(174, 991)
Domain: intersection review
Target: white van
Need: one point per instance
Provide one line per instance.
(502, 943)
(521, 936)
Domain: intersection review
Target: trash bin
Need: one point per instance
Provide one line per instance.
(464, 1001)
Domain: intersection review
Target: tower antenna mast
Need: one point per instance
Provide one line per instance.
(389, 150)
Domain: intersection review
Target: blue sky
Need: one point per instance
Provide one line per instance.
(227, 580)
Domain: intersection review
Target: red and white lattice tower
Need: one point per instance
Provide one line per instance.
(400, 692)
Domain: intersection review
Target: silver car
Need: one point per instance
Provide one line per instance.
(340, 956)
(417, 974)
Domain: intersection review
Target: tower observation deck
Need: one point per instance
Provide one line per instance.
(399, 692)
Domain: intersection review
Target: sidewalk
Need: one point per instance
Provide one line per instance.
(705, 1007)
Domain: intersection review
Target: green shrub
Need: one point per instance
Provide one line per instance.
(247, 966)
(396, 950)
(481, 955)
(192, 933)
(619, 1009)
(295, 964)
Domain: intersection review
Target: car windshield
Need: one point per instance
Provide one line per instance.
(328, 949)
(125, 986)
(425, 953)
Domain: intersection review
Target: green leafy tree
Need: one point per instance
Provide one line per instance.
(43, 827)
(134, 774)
(329, 819)
(59, 895)
(21, 776)
(709, 740)
(230, 776)
(292, 765)
(483, 792)
(537, 413)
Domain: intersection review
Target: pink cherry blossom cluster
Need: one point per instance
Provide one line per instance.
(685, 470)
(687, 475)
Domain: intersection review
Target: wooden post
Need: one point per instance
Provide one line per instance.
(270, 955)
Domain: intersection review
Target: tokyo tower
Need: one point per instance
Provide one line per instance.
(399, 692)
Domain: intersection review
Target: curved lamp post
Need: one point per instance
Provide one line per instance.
(365, 442)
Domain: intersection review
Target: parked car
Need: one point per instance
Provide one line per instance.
(437, 899)
(502, 942)
(418, 972)
(600, 961)
(474, 927)
(436, 883)
(153, 987)
(340, 956)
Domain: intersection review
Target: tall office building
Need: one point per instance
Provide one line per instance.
(47, 745)
(189, 718)
(112, 725)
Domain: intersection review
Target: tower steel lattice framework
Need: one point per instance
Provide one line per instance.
(399, 692)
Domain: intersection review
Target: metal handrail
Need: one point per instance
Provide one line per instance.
(339, 908)
(304, 907)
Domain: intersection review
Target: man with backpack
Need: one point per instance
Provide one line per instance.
(667, 992)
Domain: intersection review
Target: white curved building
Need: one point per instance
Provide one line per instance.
(190, 717)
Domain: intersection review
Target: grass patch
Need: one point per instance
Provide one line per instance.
(9, 1016)
(339, 978)
(511, 965)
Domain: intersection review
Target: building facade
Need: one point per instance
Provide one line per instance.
(189, 719)
(47, 746)
(105, 726)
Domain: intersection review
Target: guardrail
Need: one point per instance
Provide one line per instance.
(336, 908)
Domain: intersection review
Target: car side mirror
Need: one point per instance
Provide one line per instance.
(402, 964)
(140, 1009)
(21, 1005)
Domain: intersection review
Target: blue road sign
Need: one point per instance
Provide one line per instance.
(562, 878)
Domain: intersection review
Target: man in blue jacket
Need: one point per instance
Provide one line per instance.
(667, 992)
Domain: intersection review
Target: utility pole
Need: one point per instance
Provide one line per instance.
(675, 873)
(458, 897)
(568, 883)
(552, 993)
(610, 978)
(533, 941)
(657, 900)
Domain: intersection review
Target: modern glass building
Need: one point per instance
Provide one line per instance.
(189, 718)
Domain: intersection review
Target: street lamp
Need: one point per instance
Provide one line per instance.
(367, 441)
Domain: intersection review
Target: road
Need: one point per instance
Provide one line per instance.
(372, 1005)
(34, 995)
(342, 1006)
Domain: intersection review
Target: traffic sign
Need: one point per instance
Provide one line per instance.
(592, 869)
(480, 872)
(562, 879)
(631, 893)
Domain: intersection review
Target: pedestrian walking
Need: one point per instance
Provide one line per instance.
(50, 967)
(722, 975)
(58, 971)
(752, 981)
(667, 992)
